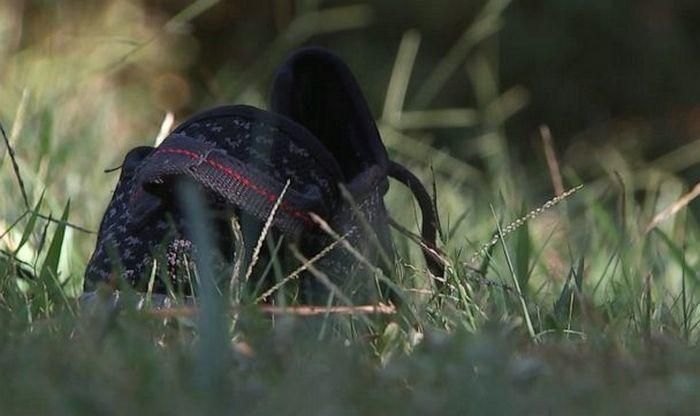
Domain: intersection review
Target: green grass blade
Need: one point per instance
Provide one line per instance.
(48, 276)
(31, 224)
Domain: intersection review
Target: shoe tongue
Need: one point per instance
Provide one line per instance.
(317, 89)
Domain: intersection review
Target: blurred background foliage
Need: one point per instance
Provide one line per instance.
(591, 69)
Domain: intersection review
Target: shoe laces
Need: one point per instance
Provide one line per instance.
(430, 221)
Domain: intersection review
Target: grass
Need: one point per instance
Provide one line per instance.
(579, 309)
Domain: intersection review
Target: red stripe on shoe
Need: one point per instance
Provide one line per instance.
(245, 181)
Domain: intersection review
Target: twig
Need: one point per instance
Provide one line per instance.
(303, 310)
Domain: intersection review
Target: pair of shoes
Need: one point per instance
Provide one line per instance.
(316, 154)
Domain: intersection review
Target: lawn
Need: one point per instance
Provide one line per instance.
(571, 285)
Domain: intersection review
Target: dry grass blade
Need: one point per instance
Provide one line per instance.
(434, 252)
(165, 128)
(266, 228)
(240, 251)
(328, 230)
(522, 220)
(370, 232)
(151, 281)
(15, 167)
(552, 162)
(323, 278)
(378, 272)
(338, 239)
(672, 210)
(302, 310)
(299, 270)
(18, 123)
(352, 250)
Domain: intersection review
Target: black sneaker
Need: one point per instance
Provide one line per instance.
(243, 158)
